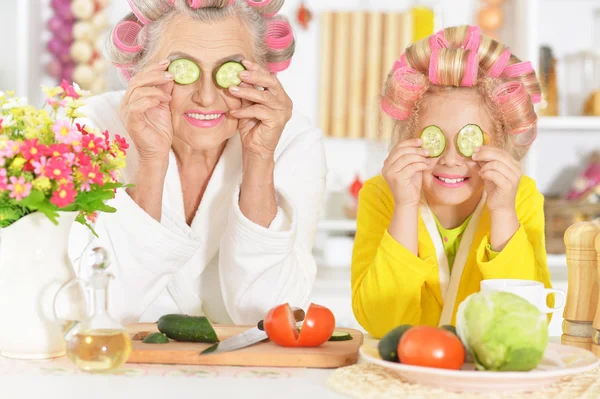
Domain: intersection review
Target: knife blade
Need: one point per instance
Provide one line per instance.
(247, 338)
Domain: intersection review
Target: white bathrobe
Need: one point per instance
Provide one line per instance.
(223, 266)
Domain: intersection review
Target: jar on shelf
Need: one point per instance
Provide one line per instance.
(549, 104)
(582, 85)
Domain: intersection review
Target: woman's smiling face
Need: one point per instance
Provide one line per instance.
(200, 110)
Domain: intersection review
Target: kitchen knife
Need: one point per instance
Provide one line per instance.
(247, 338)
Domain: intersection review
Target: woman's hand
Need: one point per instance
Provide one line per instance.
(146, 114)
(264, 113)
(403, 172)
(501, 174)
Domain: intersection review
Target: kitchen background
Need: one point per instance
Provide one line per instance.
(560, 37)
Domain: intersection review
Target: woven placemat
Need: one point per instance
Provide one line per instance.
(370, 381)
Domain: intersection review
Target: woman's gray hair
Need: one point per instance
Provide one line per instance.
(130, 46)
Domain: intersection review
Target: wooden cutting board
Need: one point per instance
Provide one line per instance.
(266, 354)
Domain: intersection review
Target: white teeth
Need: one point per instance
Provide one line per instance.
(451, 181)
(202, 117)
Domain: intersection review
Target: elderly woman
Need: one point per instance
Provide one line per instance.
(227, 181)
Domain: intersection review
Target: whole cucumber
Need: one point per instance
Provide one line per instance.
(186, 328)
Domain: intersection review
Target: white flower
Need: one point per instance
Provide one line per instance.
(7, 120)
(78, 90)
(15, 102)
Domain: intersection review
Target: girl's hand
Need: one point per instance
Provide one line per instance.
(501, 174)
(403, 171)
(264, 113)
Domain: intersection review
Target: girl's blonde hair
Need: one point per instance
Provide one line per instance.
(461, 58)
(133, 40)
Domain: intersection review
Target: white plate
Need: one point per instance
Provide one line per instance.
(559, 361)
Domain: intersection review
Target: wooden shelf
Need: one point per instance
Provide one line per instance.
(567, 123)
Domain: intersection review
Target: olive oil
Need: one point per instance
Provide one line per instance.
(99, 350)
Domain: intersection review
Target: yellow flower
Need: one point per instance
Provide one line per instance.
(31, 132)
(118, 162)
(52, 91)
(72, 107)
(3, 141)
(17, 164)
(42, 184)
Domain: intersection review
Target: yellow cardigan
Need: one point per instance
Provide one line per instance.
(391, 286)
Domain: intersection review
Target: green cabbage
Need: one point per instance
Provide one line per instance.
(502, 331)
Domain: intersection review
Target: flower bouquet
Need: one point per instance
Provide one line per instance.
(53, 171)
(50, 163)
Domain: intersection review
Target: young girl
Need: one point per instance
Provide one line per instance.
(451, 207)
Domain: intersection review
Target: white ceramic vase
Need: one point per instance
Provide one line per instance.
(34, 263)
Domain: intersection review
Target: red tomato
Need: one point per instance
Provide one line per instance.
(431, 347)
(280, 326)
(318, 326)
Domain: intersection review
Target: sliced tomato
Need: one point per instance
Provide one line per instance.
(317, 328)
(280, 326)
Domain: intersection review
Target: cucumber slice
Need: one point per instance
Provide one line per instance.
(433, 140)
(469, 138)
(340, 336)
(156, 338)
(228, 74)
(185, 71)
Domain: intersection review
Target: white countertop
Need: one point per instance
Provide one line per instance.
(59, 378)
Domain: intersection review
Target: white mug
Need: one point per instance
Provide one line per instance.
(531, 290)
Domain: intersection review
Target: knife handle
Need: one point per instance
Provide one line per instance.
(298, 315)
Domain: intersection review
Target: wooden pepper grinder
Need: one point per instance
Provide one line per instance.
(582, 294)
(596, 336)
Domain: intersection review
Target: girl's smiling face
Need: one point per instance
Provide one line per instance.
(452, 178)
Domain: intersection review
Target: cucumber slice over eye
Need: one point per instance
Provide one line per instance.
(433, 140)
(185, 71)
(469, 138)
(228, 74)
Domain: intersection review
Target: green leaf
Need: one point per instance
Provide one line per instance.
(81, 219)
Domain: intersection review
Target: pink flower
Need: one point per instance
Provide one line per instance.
(57, 150)
(92, 217)
(113, 175)
(64, 132)
(81, 129)
(69, 89)
(122, 143)
(19, 189)
(64, 196)
(32, 150)
(40, 166)
(82, 159)
(3, 179)
(69, 158)
(56, 103)
(10, 149)
(91, 175)
(92, 143)
(57, 169)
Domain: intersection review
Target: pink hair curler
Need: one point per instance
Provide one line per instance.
(275, 67)
(137, 13)
(401, 63)
(265, 3)
(471, 70)
(125, 36)
(406, 86)
(231, 2)
(473, 39)
(433, 66)
(171, 3)
(279, 35)
(500, 64)
(195, 3)
(518, 69)
(508, 91)
(438, 41)
(536, 98)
